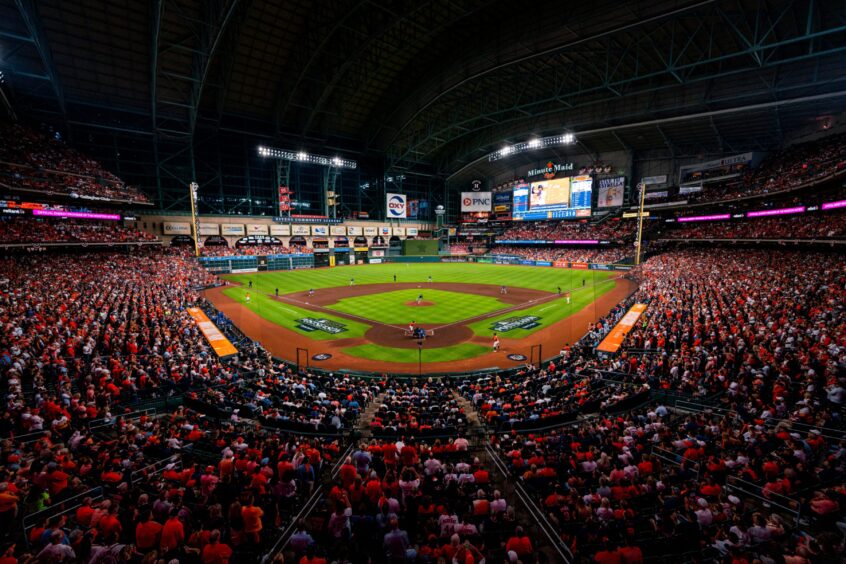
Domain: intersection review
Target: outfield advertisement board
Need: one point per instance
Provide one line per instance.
(257, 229)
(284, 230)
(209, 229)
(176, 228)
(303, 230)
(396, 206)
(232, 229)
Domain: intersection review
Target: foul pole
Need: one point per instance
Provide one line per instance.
(640, 221)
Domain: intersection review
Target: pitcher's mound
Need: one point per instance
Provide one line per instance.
(421, 304)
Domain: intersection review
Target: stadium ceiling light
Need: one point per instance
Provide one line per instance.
(302, 156)
(534, 143)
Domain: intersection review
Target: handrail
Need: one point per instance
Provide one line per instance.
(96, 424)
(786, 504)
(309, 505)
(157, 467)
(560, 546)
(61, 507)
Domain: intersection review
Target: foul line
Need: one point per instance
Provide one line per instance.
(482, 317)
(523, 305)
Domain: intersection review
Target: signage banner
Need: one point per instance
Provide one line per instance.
(354, 231)
(654, 180)
(280, 230)
(399, 231)
(614, 340)
(300, 230)
(338, 230)
(411, 232)
(232, 229)
(688, 189)
(396, 206)
(221, 345)
(579, 265)
(209, 229)
(320, 231)
(550, 170)
(611, 192)
(176, 228)
(385, 231)
(371, 231)
(256, 229)
(476, 201)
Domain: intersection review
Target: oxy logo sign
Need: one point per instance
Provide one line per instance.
(511, 323)
(311, 324)
(396, 206)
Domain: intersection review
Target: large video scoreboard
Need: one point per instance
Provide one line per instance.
(553, 198)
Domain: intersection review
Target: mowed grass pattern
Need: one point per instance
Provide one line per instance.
(285, 315)
(537, 278)
(388, 307)
(441, 354)
(391, 308)
(550, 312)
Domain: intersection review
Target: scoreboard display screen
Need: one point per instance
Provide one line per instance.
(555, 198)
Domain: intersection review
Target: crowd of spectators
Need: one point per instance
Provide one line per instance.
(786, 169)
(610, 230)
(252, 250)
(760, 334)
(36, 161)
(801, 226)
(29, 230)
(603, 255)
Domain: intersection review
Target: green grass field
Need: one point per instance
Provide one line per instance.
(389, 307)
(441, 354)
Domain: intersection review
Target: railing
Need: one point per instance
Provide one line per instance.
(155, 468)
(772, 500)
(99, 424)
(564, 553)
(61, 508)
(307, 508)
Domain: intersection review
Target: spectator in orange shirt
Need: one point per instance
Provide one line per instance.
(252, 520)
(147, 533)
(520, 543)
(311, 558)
(173, 533)
(8, 507)
(216, 552)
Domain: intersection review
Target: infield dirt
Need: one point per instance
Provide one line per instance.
(283, 342)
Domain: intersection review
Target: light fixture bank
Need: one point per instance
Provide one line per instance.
(534, 143)
(303, 157)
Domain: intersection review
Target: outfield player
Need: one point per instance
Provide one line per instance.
(567, 297)
(247, 299)
(352, 281)
(495, 343)
(430, 278)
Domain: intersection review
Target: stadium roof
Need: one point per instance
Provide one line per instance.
(431, 83)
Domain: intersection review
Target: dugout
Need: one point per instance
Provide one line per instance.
(321, 258)
(360, 254)
(342, 256)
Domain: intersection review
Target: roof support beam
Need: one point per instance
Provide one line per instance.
(29, 14)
